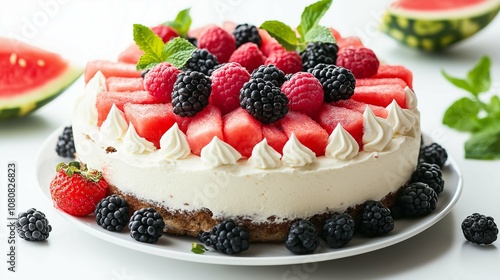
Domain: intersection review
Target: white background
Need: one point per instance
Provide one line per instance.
(85, 30)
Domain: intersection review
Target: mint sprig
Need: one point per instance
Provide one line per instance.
(181, 23)
(476, 114)
(308, 29)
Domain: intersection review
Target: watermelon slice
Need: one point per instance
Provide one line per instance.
(360, 107)
(130, 54)
(307, 131)
(431, 25)
(276, 138)
(349, 41)
(151, 121)
(380, 81)
(110, 69)
(242, 131)
(31, 77)
(106, 99)
(203, 127)
(394, 71)
(380, 95)
(352, 121)
(124, 84)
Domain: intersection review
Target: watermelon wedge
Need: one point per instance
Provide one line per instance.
(110, 69)
(276, 138)
(131, 54)
(106, 99)
(394, 71)
(352, 121)
(307, 131)
(380, 81)
(380, 95)
(358, 106)
(431, 25)
(31, 77)
(203, 127)
(124, 84)
(242, 131)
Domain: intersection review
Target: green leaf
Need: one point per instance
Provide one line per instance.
(148, 41)
(283, 33)
(181, 23)
(462, 115)
(460, 83)
(494, 106)
(319, 34)
(177, 51)
(146, 61)
(198, 248)
(484, 144)
(311, 16)
(479, 77)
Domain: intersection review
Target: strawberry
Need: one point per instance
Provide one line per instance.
(289, 62)
(77, 190)
(249, 56)
(218, 42)
(164, 32)
(226, 84)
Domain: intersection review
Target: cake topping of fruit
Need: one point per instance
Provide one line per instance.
(304, 92)
(111, 213)
(227, 81)
(76, 189)
(202, 61)
(146, 225)
(174, 144)
(65, 146)
(264, 156)
(318, 52)
(218, 153)
(288, 61)
(430, 174)
(218, 42)
(32, 225)
(401, 120)
(295, 154)
(159, 81)
(341, 144)
(135, 144)
(338, 82)
(244, 33)
(302, 238)
(115, 126)
(480, 229)
(377, 132)
(249, 56)
(376, 219)
(338, 230)
(263, 100)
(227, 237)
(191, 92)
(270, 73)
(361, 61)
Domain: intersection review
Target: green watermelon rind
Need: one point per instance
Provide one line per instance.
(29, 101)
(436, 31)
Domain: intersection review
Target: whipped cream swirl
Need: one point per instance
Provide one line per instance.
(377, 132)
(341, 144)
(401, 120)
(295, 154)
(115, 125)
(173, 144)
(218, 153)
(135, 144)
(264, 156)
(95, 85)
(411, 99)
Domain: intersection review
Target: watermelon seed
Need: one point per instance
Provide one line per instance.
(40, 62)
(13, 58)
(22, 62)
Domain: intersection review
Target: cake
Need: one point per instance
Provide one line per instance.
(333, 160)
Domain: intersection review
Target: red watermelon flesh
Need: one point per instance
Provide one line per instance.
(360, 107)
(124, 84)
(307, 131)
(352, 121)
(130, 54)
(395, 71)
(183, 122)
(106, 99)
(110, 69)
(349, 41)
(276, 138)
(151, 121)
(380, 81)
(242, 131)
(380, 95)
(203, 127)
(432, 5)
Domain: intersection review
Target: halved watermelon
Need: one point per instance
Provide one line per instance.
(30, 77)
(432, 25)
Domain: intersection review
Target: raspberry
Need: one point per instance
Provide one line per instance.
(146, 225)
(159, 81)
(302, 238)
(304, 92)
(263, 100)
(33, 226)
(164, 32)
(227, 237)
(480, 229)
(218, 42)
(287, 61)
(244, 33)
(191, 92)
(65, 146)
(248, 56)
(226, 84)
(202, 61)
(362, 62)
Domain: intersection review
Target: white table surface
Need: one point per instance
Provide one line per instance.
(85, 30)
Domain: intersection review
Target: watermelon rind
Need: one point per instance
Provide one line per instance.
(27, 102)
(437, 30)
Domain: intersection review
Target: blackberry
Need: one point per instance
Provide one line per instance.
(146, 225)
(433, 153)
(429, 174)
(376, 219)
(244, 33)
(192, 40)
(318, 52)
(270, 73)
(144, 73)
(302, 238)
(65, 146)
(190, 93)
(227, 237)
(202, 61)
(418, 199)
(338, 82)
(111, 213)
(204, 237)
(32, 225)
(338, 230)
(480, 229)
(263, 100)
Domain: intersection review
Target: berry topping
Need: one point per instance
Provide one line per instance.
(362, 62)
(65, 146)
(338, 230)
(302, 238)
(376, 219)
(191, 92)
(111, 213)
(418, 199)
(263, 100)
(159, 81)
(146, 225)
(433, 153)
(76, 189)
(227, 237)
(287, 61)
(338, 83)
(227, 81)
(202, 61)
(429, 174)
(244, 33)
(32, 225)
(164, 32)
(304, 92)
(249, 56)
(218, 42)
(269, 73)
(318, 52)
(480, 229)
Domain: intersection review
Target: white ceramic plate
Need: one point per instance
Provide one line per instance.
(258, 254)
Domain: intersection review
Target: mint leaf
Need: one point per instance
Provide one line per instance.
(148, 42)
(147, 61)
(311, 16)
(319, 34)
(283, 33)
(484, 144)
(460, 83)
(198, 248)
(462, 115)
(181, 23)
(177, 51)
(479, 77)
